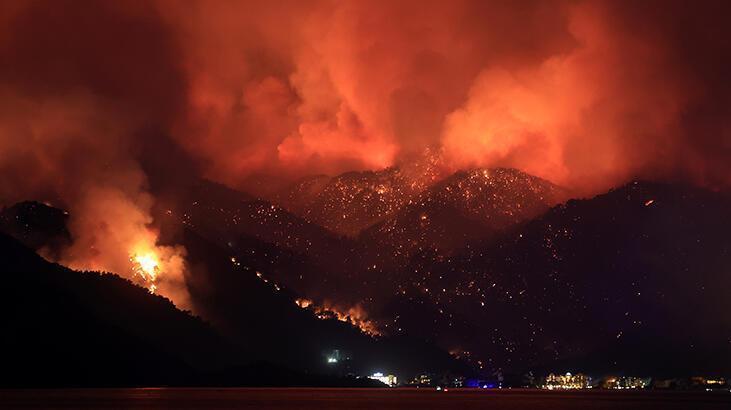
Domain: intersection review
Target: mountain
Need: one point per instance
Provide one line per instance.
(350, 202)
(259, 316)
(632, 280)
(36, 225)
(67, 328)
(400, 212)
(223, 214)
(490, 269)
(250, 306)
(87, 329)
(467, 206)
(302, 255)
(250, 260)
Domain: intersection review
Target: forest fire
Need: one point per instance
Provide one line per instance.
(146, 266)
(540, 184)
(161, 269)
(355, 315)
(557, 99)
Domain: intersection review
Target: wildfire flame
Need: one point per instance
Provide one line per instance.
(356, 316)
(303, 303)
(160, 269)
(146, 266)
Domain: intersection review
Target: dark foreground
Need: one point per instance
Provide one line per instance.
(381, 399)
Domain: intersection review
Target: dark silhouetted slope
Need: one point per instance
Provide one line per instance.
(67, 328)
(36, 225)
(250, 306)
(633, 280)
(304, 256)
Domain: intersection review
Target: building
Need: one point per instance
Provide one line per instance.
(707, 383)
(625, 382)
(566, 381)
(389, 380)
(424, 379)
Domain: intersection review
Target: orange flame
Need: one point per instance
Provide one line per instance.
(146, 266)
(355, 315)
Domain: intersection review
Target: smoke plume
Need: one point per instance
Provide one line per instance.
(587, 94)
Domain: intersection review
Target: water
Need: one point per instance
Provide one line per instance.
(382, 399)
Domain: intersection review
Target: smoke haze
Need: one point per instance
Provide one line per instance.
(587, 94)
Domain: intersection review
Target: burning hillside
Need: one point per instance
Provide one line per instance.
(353, 201)
(356, 316)
(464, 207)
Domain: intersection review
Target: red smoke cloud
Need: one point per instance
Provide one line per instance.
(587, 94)
(77, 100)
(588, 118)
